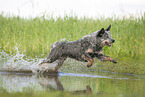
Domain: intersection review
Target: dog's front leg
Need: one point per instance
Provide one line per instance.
(103, 57)
(89, 58)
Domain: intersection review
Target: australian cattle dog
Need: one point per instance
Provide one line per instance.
(84, 49)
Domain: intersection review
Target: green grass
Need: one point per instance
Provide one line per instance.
(33, 37)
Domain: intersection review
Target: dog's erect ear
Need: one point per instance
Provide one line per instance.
(101, 32)
(108, 29)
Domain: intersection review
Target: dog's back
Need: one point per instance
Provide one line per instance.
(72, 49)
(57, 43)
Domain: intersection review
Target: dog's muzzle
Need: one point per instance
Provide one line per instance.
(113, 40)
(109, 43)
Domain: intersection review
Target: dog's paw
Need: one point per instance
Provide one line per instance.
(114, 61)
(42, 62)
(88, 66)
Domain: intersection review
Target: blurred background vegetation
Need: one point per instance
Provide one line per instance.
(33, 37)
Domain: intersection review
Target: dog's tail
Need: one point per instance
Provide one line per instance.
(57, 43)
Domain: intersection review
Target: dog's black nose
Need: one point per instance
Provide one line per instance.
(113, 40)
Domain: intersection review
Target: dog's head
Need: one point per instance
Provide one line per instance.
(105, 37)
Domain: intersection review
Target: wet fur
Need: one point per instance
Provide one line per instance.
(84, 49)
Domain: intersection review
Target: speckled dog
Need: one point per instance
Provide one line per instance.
(84, 49)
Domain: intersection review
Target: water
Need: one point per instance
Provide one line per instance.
(20, 62)
(23, 75)
(76, 84)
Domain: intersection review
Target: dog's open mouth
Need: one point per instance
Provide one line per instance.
(108, 44)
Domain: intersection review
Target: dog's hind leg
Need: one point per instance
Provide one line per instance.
(48, 60)
(61, 60)
(53, 56)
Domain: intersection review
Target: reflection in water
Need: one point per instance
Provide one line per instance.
(87, 91)
(50, 83)
(21, 82)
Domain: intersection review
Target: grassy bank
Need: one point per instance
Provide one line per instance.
(33, 37)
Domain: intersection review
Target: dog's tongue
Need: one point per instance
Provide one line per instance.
(109, 44)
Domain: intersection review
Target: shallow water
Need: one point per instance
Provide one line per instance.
(19, 74)
(83, 83)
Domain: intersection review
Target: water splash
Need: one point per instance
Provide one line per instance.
(20, 62)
